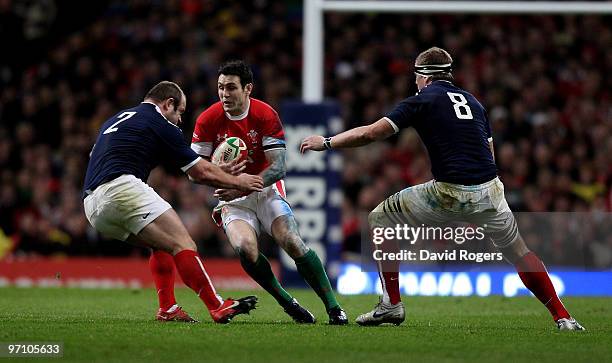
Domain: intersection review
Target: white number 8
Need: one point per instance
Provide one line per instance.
(462, 110)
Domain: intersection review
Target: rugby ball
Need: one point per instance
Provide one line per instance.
(230, 149)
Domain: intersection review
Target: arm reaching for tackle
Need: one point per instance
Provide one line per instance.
(358, 136)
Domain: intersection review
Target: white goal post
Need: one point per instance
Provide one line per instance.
(312, 72)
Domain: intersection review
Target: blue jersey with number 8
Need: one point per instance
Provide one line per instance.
(455, 130)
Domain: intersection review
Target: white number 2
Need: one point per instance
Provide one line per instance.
(124, 116)
(462, 110)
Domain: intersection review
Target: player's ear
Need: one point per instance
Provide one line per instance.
(248, 88)
(168, 103)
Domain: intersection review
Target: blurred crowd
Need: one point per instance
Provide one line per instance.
(543, 79)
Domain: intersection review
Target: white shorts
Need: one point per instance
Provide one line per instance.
(436, 203)
(258, 209)
(123, 206)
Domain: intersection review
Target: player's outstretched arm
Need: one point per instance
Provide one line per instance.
(205, 172)
(359, 136)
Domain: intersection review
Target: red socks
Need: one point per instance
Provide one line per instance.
(191, 269)
(390, 281)
(535, 277)
(162, 268)
(389, 274)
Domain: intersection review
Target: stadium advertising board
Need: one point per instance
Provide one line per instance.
(313, 185)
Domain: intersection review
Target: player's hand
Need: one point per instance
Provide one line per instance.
(234, 167)
(314, 142)
(228, 194)
(249, 183)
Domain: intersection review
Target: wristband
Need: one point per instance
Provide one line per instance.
(327, 143)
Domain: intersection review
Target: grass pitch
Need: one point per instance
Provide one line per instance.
(118, 325)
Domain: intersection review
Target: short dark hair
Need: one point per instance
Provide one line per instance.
(165, 90)
(435, 55)
(237, 68)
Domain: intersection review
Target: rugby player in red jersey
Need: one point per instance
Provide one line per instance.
(245, 215)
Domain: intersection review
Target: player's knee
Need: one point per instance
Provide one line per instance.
(514, 251)
(294, 246)
(247, 256)
(245, 243)
(247, 251)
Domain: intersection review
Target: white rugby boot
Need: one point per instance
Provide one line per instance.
(569, 324)
(383, 313)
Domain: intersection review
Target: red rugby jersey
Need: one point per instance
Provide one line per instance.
(259, 127)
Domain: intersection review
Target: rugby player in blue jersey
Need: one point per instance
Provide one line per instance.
(454, 127)
(120, 205)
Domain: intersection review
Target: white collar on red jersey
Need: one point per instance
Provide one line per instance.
(243, 115)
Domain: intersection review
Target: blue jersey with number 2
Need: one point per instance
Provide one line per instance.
(135, 141)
